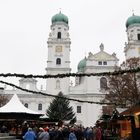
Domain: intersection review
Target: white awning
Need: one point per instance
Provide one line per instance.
(15, 106)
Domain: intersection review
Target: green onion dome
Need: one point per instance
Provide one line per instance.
(60, 18)
(82, 64)
(132, 20)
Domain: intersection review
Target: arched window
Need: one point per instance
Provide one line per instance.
(57, 84)
(26, 105)
(40, 106)
(103, 83)
(58, 61)
(59, 35)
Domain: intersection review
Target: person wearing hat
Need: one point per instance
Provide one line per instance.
(43, 135)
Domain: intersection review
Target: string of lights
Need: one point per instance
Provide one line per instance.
(71, 74)
(45, 94)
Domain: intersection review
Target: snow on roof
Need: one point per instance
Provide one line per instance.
(15, 106)
(120, 110)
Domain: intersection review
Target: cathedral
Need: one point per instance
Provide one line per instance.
(91, 88)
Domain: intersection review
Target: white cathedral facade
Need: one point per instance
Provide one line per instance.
(86, 88)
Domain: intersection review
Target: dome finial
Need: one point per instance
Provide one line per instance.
(59, 10)
(133, 12)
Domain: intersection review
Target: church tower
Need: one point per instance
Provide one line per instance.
(58, 61)
(132, 48)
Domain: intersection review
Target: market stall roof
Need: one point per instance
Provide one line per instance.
(15, 109)
(131, 111)
(120, 110)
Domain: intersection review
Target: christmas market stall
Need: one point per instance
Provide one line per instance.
(14, 114)
(131, 125)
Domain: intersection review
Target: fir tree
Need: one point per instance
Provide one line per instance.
(60, 109)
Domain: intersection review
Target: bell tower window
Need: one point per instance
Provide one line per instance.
(59, 35)
(58, 61)
(138, 36)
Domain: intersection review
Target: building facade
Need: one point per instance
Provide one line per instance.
(86, 88)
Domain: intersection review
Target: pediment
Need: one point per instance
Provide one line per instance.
(101, 56)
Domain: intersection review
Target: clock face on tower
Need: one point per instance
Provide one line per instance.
(58, 49)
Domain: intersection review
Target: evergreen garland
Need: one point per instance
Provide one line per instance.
(71, 74)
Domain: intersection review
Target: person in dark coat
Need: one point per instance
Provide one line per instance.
(59, 134)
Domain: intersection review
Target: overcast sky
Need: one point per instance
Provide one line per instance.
(25, 26)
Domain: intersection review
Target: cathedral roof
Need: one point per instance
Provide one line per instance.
(102, 55)
(132, 20)
(60, 18)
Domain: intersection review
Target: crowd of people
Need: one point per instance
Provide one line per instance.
(33, 131)
(63, 133)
